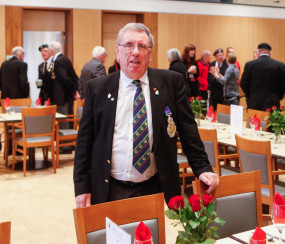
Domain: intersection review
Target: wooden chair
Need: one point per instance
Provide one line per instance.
(223, 114)
(260, 115)
(68, 137)
(5, 233)
(17, 104)
(90, 221)
(238, 202)
(38, 125)
(185, 170)
(78, 109)
(256, 155)
(210, 141)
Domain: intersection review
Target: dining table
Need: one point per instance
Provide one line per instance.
(32, 163)
(271, 231)
(226, 137)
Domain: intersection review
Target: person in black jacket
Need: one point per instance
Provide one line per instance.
(174, 57)
(214, 87)
(189, 59)
(263, 80)
(45, 75)
(13, 76)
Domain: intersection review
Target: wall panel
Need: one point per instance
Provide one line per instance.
(87, 33)
(211, 32)
(2, 35)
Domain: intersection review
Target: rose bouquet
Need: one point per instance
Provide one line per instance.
(196, 216)
(197, 106)
(276, 119)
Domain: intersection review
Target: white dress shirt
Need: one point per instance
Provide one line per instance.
(122, 150)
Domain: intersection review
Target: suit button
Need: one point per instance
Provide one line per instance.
(106, 181)
(108, 161)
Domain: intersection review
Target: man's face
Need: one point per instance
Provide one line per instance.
(207, 58)
(45, 53)
(220, 57)
(21, 56)
(230, 50)
(134, 63)
(103, 58)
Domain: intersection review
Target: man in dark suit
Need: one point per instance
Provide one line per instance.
(127, 141)
(65, 80)
(94, 68)
(263, 80)
(214, 87)
(45, 74)
(13, 76)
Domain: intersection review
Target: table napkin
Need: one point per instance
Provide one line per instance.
(38, 102)
(210, 112)
(47, 103)
(142, 233)
(278, 199)
(279, 209)
(259, 234)
(214, 118)
(257, 124)
(7, 102)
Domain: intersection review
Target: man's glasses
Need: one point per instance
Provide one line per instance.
(129, 47)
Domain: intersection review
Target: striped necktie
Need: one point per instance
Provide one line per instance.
(141, 152)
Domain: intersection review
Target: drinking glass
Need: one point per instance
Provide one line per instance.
(8, 109)
(144, 242)
(209, 123)
(278, 218)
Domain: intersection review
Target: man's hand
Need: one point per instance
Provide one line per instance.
(210, 179)
(83, 200)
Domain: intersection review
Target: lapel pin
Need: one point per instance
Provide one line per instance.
(109, 95)
(112, 99)
(156, 92)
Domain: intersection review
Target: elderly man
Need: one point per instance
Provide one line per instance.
(65, 80)
(203, 66)
(214, 87)
(94, 68)
(45, 74)
(126, 144)
(13, 76)
(263, 80)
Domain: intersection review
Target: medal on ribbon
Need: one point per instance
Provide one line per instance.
(171, 128)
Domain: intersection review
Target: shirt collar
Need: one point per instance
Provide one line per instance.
(264, 54)
(125, 81)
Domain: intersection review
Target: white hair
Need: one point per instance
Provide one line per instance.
(98, 51)
(55, 46)
(173, 54)
(205, 53)
(135, 27)
(17, 50)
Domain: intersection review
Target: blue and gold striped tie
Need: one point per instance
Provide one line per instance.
(141, 152)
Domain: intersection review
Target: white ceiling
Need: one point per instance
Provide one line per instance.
(271, 3)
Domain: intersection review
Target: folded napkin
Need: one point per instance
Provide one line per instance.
(258, 235)
(142, 234)
(210, 112)
(214, 117)
(47, 103)
(252, 121)
(279, 209)
(7, 102)
(257, 124)
(38, 102)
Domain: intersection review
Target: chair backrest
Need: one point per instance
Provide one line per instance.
(238, 202)
(5, 232)
(256, 155)
(38, 122)
(260, 115)
(223, 114)
(17, 104)
(90, 221)
(78, 110)
(210, 141)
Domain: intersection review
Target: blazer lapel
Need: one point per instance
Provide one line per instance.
(157, 104)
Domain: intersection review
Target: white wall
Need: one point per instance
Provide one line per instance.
(161, 6)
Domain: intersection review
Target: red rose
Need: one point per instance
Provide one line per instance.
(274, 107)
(282, 107)
(268, 110)
(199, 98)
(195, 203)
(176, 202)
(191, 99)
(207, 199)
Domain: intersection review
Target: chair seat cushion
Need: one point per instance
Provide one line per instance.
(35, 139)
(67, 132)
(17, 131)
(279, 187)
(181, 158)
(228, 170)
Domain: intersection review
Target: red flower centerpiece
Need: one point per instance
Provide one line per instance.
(195, 216)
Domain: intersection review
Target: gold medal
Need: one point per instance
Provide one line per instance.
(171, 128)
(53, 75)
